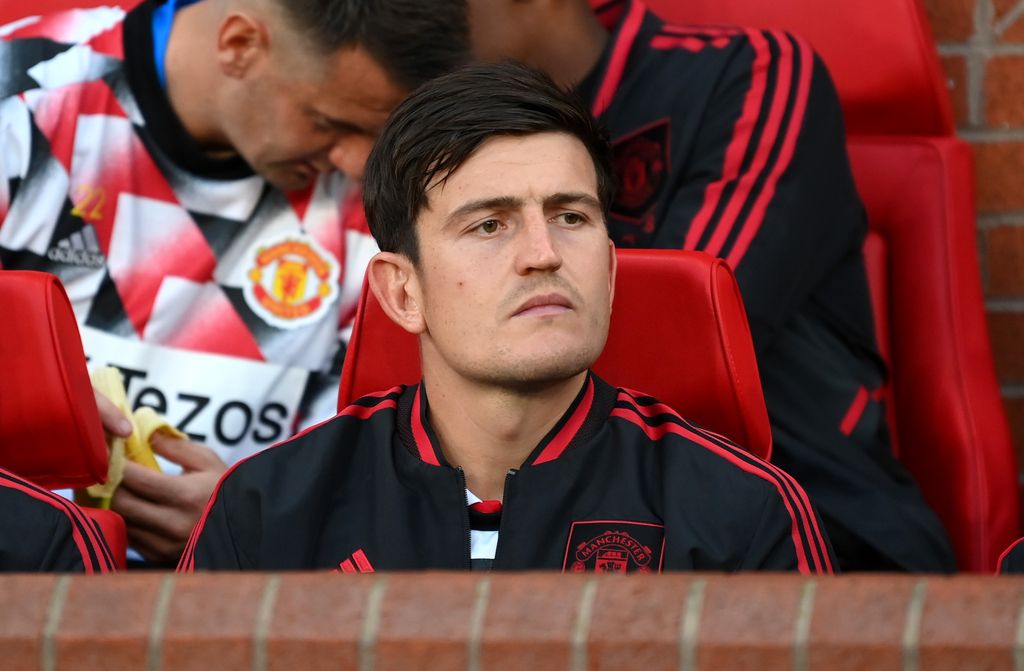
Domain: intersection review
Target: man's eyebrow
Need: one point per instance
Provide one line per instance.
(571, 198)
(496, 203)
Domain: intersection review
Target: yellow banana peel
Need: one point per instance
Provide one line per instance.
(136, 447)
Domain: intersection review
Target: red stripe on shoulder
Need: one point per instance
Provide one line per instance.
(77, 518)
(187, 562)
(769, 136)
(1005, 554)
(620, 54)
(739, 143)
(796, 120)
(793, 496)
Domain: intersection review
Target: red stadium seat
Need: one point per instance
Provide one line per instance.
(947, 416)
(696, 356)
(50, 430)
(880, 52)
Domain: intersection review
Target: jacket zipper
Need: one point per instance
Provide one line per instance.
(461, 476)
(504, 513)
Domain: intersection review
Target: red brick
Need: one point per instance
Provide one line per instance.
(408, 640)
(530, 621)
(1004, 253)
(24, 603)
(748, 622)
(1015, 416)
(982, 640)
(952, 20)
(1015, 32)
(998, 176)
(955, 68)
(87, 641)
(1007, 332)
(317, 622)
(870, 640)
(1004, 91)
(636, 623)
(211, 620)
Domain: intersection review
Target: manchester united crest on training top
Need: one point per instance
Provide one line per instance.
(292, 281)
(615, 546)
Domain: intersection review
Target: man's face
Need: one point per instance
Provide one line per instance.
(298, 115)
(516, 270)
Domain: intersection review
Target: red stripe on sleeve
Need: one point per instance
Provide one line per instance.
(77, 519)
(769, 137)
(854, 413)
(796, 121)
(786, 485)
(187, 563)
(620, 53)
(741, 135)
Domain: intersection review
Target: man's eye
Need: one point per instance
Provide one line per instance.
(489, 227)
(572, 218)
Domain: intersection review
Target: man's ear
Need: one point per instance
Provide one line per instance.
(394, 282)
(613, 267)
(242, 40)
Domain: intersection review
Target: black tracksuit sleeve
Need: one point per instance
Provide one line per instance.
(767, 185)
(41, 531)
(774, 544)
(212, 543)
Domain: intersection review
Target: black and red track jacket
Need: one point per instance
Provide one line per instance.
(730, 140)
(41, 531)
(621, 483)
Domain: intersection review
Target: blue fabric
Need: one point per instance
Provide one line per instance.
(163, 18)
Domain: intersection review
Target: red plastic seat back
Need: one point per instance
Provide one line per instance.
(50, 431)
(678, 332)
(947, 413)
(881, 54)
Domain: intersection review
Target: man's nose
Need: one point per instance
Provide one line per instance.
(537, 248)
(349, 155)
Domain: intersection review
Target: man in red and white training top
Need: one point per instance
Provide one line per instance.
(41, 531)
(730, 140)
(186, 170)
(488, 192)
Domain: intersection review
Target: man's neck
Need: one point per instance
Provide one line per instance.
(487, 430)
(191, 74)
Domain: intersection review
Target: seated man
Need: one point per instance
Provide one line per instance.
(488, 192)
(730, 141)
(40, 531)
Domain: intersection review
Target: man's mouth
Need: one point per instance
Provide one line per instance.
(544, 304)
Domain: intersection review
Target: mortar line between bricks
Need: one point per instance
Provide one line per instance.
(48, 650)
(1018, 645)
(912, 629)
(263, 617)
(476, 623)
(584, 615)
(1008, 19)
(802, 626)
(371, 624)
(154, 652)
(689, 627)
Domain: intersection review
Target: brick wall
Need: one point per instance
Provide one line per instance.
(981, 43)
(445, 621)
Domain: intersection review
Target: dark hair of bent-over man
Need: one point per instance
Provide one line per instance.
(438, 127)
(414, 40)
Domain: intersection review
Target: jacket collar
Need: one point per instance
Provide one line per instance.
(581, 421)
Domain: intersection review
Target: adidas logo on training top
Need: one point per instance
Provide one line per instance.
(78, 249)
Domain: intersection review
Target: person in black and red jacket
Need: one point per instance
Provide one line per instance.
(730, 140)
(41, 531)
(487, 192)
